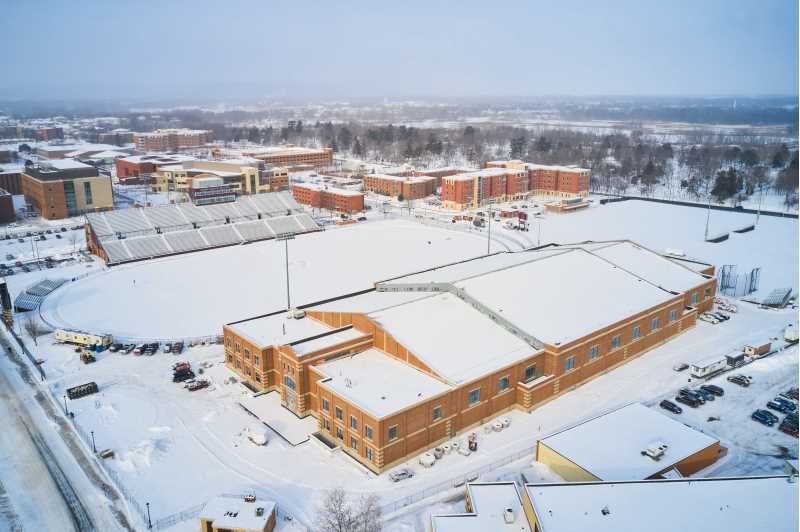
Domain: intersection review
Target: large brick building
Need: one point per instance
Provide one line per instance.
(172, 139)
(137, 169)
(422, 358)
(409, 187)
(480, 187)
(11, 179)
(250, 176)
(288, 155)
(64, 187)
(333, 199)
(544, 180)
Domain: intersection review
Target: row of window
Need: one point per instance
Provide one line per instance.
(368, 452)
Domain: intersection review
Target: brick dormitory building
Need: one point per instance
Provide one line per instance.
(331, 198)
(510, 181)
(171, 139)
(407, 187)
(288, 155)
(424, 357)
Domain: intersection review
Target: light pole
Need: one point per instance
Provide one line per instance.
(66, 411)
(149, 522)
(94, 448)
(285, 237)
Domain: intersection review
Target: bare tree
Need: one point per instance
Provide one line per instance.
(337, 514)
(73, 239)
(34, 329)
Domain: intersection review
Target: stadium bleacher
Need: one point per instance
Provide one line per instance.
(141, 233)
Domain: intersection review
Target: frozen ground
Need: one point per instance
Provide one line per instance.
(195, 294)
(198, 440)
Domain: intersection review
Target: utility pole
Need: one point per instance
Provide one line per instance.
(760, 195)
(489, 232)
(708, 217)
(94, 448)
(285, 237)
(149, 522)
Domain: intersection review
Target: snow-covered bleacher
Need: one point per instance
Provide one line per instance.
(140, 233)
(32, 297)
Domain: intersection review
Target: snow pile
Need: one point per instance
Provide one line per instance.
(143, 455)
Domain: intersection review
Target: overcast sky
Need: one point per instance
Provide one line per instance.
(461, 48)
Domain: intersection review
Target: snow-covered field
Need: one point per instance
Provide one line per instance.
(195, 294)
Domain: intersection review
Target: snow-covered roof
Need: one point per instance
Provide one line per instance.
(64, 164)
(278, 329)
(326, 188)
(108, 154)
(689, 505)
(610, 446)
(306, 346)
(379, 384)
(489, 502)
(233, 513)
(477, 346)
(486, 172)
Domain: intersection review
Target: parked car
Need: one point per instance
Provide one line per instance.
(138, 350)
(401, 474)
(708, 318)
(772, 416)
(774, 405)
(198, 385)
(669, 405)
(705, 394)
(741, 380)
(789, 405)
(58, 236)
(114, 347)
(21, 240)
(177, 348)
(688, 400)
(167, 348)
(763, 417)
(692, 393)
(183, 376)
(9, 256)
(720, 316)
(788, 428)
(680, 367)
(711, 388)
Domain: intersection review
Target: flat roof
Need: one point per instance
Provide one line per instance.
(690, 505)
(327, 188)
(278, 329)
(235, 514)
(451, 337)
(610, 446)
(64, 164)
(486, 172)
(377, 383)
(306, 346)
(489, 502)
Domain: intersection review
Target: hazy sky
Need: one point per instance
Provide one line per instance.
(461, 48)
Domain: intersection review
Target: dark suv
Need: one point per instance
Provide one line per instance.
(763, 417)
(669, 405)
(716, 390)
(688, 400)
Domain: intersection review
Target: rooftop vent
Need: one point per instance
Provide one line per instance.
(605, 510)
(509, 516)
(655, 451)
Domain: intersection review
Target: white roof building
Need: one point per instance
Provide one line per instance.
(612, 446)
(234, 513)
(685, 505)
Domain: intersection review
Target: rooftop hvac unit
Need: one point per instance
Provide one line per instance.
(509, 516)
(655, 451)
(296, 314)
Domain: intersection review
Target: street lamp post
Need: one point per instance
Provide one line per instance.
(149, 522)
(285, 237)
(489, 232)
(94, 448)
(66, 411)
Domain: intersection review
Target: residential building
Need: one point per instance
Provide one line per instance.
(72, 151)
(544, 180)
(137, 169)
(334, 199)
(120, 137)
(64, 187)
(424, 357)
(248, 175)
(407, 187)
(11, 179)
(172, 139)
(630, 443)
(481, 187)
(49, 133)
(288, 155)
(696, 504)
(237, 514)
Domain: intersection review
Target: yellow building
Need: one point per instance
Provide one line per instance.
(248, 175)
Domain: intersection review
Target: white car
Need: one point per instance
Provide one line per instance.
(401, 474)
(708, 318)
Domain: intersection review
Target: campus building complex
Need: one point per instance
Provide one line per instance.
(544, 180)
(248, 176)
(407, 187)
(137, 169)
(64, 187)
(392, 371)
(471, 190)
(171, 139)
(289, 155)
(339, 200)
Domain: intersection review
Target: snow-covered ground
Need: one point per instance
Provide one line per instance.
(195, 294)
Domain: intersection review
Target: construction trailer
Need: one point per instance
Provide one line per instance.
(85, 339)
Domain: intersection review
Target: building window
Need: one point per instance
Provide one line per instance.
(353, 422)
(228, 341)
(230, 357)
(256, 360)
(437, 413)
(289, 382)
(637, 333)
(616, 342)
(353, 443)
(238, 364)
(326, 405)
(593, 352)
(326, 424)
(258, 377)
(673, 315)
(87, 192)
(707, 293)
(502, 384)
(339, 433)
(238, 347)
(247, 354)
(368, 453)
(530, 372)
(368, 432)
(474, 397)
(694, 298)
(339, 414)
(655, 323)
(569, 363)
(393, 432)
